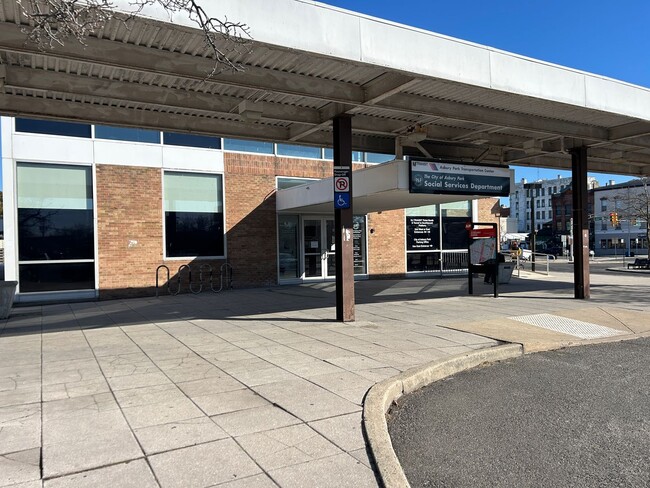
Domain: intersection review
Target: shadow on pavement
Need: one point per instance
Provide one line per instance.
(308, 303)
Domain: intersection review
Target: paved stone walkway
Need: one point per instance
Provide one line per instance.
(239, 389)
(248, 388)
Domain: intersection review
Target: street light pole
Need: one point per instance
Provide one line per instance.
(629, 223)
(532, 187)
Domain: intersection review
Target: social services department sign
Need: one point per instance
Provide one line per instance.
(461, 179)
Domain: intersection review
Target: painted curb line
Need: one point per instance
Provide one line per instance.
(382, 395)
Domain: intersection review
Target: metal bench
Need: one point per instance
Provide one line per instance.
(639, 264)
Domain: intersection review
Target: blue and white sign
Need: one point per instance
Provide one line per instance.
(341, 200)
(342, 188)
(459, 179)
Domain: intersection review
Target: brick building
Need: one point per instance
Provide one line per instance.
(545, 210)
(93, 211)
(627, 232)
(562, 204)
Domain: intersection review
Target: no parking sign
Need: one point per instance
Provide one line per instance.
(341, 187)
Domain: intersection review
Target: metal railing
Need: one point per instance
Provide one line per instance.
(441, 263)
(206, 277)
(522, 262)
(453, 262)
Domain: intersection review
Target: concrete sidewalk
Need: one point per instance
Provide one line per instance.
(250, 387)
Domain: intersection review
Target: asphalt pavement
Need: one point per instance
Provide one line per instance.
(576, 417)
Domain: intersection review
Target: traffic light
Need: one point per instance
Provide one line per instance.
(612, 217)
(615, 219)
(633, 220)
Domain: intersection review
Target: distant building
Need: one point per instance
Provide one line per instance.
(563, 212)
(627, 232)
(562, 205)
(520, 201)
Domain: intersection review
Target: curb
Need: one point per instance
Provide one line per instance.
(382, 395)
(630, 271)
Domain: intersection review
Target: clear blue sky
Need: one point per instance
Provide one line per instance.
(605, 37)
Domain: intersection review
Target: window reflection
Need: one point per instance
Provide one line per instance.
(53, 127)
(127, 134)
(56, 277)
(191, 140)
(299, 151)
(288, 246)
(194, 234)
(194, 223)
(53, 234)
(242, 145)
(55, 223)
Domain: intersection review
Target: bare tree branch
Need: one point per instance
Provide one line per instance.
(55, 22)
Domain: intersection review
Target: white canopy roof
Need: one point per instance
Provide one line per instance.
(309, 62)
(374, 189)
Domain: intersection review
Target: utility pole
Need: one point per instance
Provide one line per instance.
(532, 188)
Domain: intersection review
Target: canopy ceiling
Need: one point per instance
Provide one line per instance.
(309, 62)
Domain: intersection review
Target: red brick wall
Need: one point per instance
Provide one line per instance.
(129, 228)
(251, 224)
(130, 233)
(250, 228)
(487, 210)
(130, 225)
(386, 243)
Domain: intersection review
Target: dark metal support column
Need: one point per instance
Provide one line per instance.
(580, 222)
(343, 225)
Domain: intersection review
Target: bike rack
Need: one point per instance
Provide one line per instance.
(179, 274)
(157, 273)
(203, 268)
(226, 271)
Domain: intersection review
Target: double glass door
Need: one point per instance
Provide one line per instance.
(318, 242)
(306, 247)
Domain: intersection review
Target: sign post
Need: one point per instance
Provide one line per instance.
(482, 253)
(343, 219)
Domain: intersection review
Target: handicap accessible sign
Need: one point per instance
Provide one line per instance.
(341, 200)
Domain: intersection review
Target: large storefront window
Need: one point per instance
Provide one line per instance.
(423, 238)
(454, 217)
(436, 239)
(193, 215)
(55, 228)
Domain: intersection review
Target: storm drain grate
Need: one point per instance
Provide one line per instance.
(573, 327)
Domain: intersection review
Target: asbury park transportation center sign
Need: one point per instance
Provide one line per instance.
(463, 179)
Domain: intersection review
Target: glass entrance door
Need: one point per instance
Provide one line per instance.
(318, 247)
(330, 252)
(313, 248)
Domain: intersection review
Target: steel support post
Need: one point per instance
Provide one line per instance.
(580, 222)
(343, 225)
